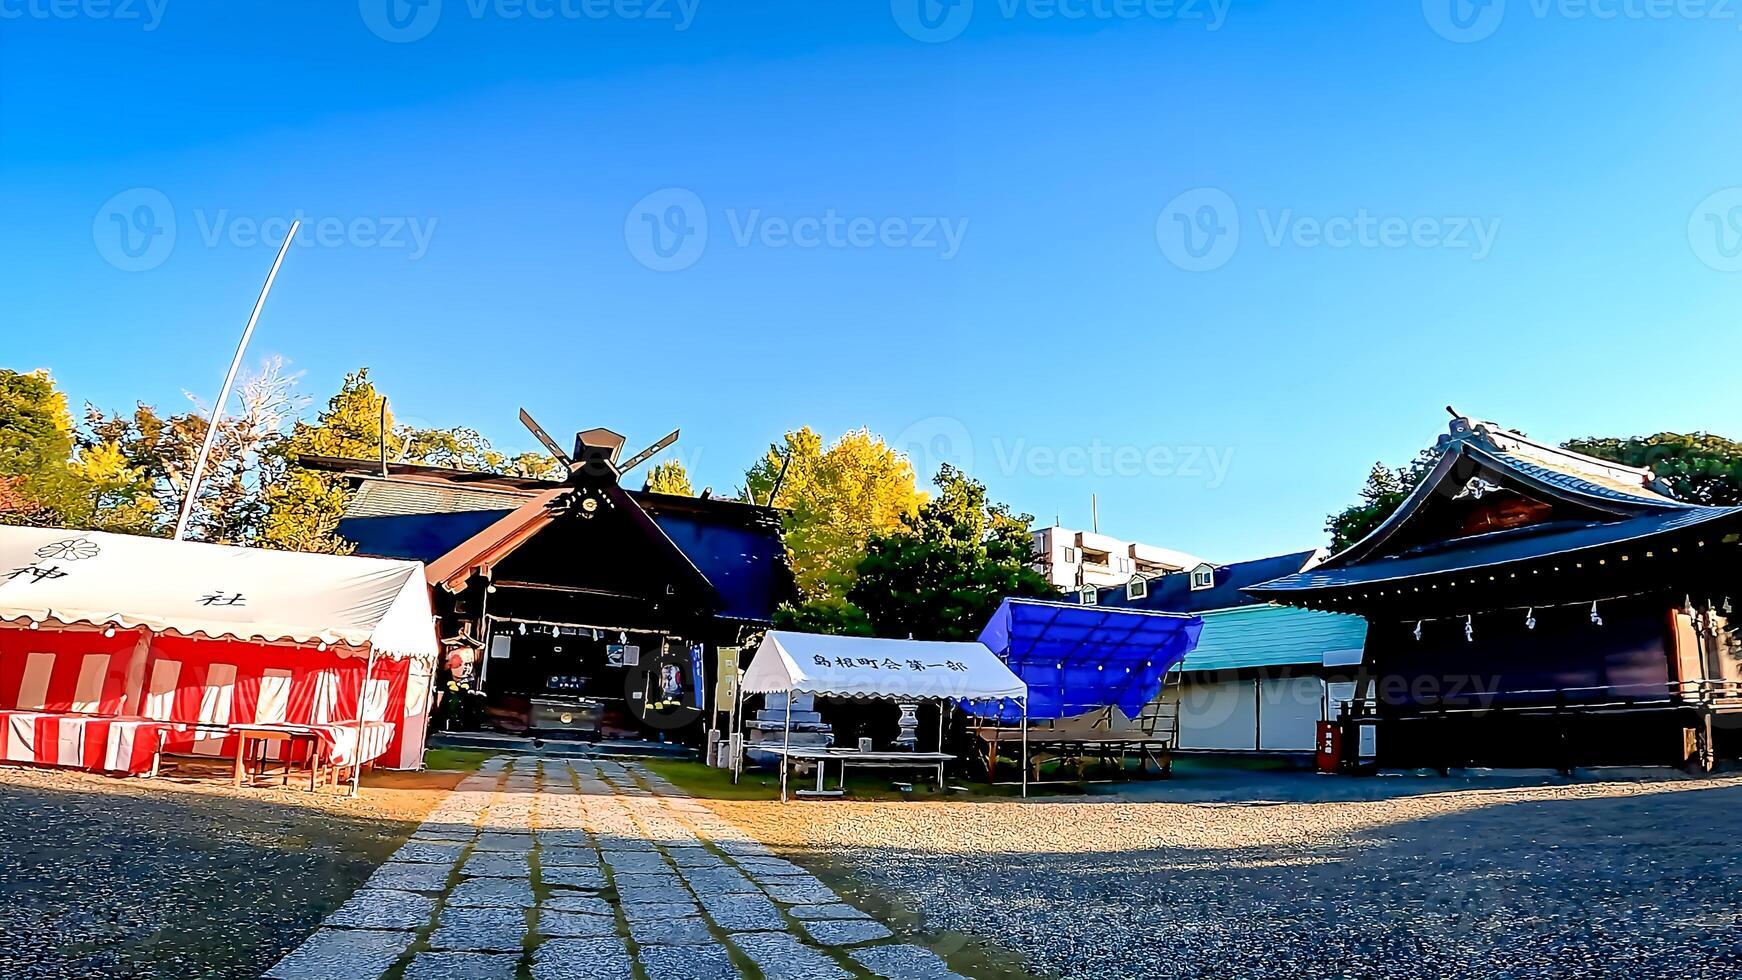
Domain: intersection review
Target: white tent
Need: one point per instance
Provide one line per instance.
(870, 667)
(325, 605)
(51, 575)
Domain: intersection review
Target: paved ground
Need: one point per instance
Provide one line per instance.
(579, 869)
(182, 879)
(1397, 877)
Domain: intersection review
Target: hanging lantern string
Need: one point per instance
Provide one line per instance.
(1529, 610)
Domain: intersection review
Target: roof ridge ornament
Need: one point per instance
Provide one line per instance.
(1476, 487)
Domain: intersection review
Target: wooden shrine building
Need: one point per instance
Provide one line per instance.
(579, 607)
(1528, 605)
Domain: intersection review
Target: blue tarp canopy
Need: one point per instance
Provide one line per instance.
(1077, 659)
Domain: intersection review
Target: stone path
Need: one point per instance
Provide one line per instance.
(569, 869)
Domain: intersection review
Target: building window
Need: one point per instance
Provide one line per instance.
(1137, 588)
(1088, 596)
(1070, 556)
(1095, 558)
(1203, 577)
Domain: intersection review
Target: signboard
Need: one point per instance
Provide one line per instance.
(726, 688)
(500, 645)
(699, 678)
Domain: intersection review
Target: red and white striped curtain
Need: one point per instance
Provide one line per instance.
(212, 683)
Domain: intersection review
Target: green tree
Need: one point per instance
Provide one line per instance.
(303, 506)
(669, 477)
(244, 463)
(1699, 467)
(51, 477)
(828, 614)
(37, 441)
(943, 572)
(1384, 491)
(835, 500)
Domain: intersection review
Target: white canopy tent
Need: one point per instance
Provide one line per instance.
(91, 578)
(870, 667)
(357, 607)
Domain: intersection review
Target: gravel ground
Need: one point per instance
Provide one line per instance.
(103, 877)
(1628, 878)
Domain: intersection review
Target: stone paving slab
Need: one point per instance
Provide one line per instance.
(803, 894)
(408, 877)
(623, 840)
(666, 909)
(836, 910)
(590, 878)
(576, 925)
(784, 880)
(743, 913)
(574, 902)
(378, 908)
(463, 966)
(567, 857)
(641, 889)
(485, 864)
(905, 963)
(428, 853)
(771, 866)
(480, 929)
(444, 834)
(610, 856)
(342, 954)
(493, 892)
(582, 959)
(637, 862)
(508, 843)
(744, 848)
(687, 963)
(694, 856)
(780, 956)
(720, 881)
(649, 931)
(845, 932)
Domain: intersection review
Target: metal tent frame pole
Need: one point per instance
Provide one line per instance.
(785, 745)
(1025, 748)
(737, 722)
(362, 711)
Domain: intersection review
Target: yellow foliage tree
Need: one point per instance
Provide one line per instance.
(836, 499)
(669, 477)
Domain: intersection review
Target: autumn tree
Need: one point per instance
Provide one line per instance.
(942, 573)
(48, 477)
(835, 499)
(669, 477)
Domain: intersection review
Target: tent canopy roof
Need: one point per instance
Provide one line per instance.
(868, 667)
(1077, 659)
(91, 578)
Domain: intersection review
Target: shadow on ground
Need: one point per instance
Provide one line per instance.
(1639, 884)
(105, 878)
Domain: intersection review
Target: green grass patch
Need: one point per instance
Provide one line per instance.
(456, 760)
(710, 783)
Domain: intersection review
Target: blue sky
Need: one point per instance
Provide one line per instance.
(968, 231)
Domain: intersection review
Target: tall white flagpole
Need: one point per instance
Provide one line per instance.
(193, 491)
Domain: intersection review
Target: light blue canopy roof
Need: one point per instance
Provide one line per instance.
(1077, 659)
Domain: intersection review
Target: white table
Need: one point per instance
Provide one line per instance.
(853, 757)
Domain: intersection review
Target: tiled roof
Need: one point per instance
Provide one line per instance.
(1173, 592)
(392, 498)
(1499, 548)
(1568, 470)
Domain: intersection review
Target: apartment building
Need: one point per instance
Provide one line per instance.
(1072, 559)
